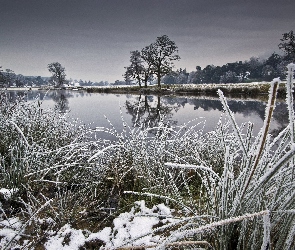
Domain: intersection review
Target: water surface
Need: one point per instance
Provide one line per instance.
(99, 110)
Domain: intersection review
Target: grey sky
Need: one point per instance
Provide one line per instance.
(92, 39)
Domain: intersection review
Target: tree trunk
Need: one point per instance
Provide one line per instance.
(159, 79)
(139, 82)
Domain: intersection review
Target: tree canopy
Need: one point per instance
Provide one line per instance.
(58, 73)
(154, 59)
(288, 45)
(161, 55)
(137, 69)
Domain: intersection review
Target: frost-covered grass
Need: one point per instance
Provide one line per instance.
(253, 89)
(174, 187)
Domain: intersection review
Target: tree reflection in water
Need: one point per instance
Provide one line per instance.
(146, 112)
(60, 97)
(149, 110)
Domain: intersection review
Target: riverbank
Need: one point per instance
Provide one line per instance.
(237, 89)
(234, 90)
(241, 90)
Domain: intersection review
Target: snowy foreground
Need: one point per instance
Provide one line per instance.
(134, 226)
(154, 187)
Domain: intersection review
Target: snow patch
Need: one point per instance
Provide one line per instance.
(134, 227)
(10, 232)
(7, 193)
(66, 238)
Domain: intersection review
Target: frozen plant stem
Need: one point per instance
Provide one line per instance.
(232, 119)
(289, 101)
(269, 111)
(289, 98)
(21, 132)
(191, 232)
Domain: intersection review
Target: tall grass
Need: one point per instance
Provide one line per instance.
(250, 205)
(227, 188)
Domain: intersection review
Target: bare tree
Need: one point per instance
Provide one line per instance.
(139, 69)
(160, 55)
(58, 73)
(134, 71)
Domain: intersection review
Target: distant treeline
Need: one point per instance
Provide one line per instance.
(253, 70)
(157, 60)
(144, 66)
(8, 78)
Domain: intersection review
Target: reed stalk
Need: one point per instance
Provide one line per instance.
(269, 112)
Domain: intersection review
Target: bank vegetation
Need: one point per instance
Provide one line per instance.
(63, 187)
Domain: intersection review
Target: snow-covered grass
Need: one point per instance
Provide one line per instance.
(161, 186)
(253, 89)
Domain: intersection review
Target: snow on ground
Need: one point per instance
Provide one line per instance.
(75, 239)
(7, 193)
(134, 227)
(10, 232)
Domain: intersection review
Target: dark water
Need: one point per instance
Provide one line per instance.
(93, 109)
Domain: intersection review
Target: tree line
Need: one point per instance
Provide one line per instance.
(157, 59)
(8, 78)
(155, 63)
(251, 70)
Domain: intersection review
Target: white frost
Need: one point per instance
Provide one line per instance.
(7, 193)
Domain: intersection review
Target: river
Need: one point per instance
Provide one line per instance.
(106, 110)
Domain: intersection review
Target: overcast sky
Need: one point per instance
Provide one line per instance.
(92, 39)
